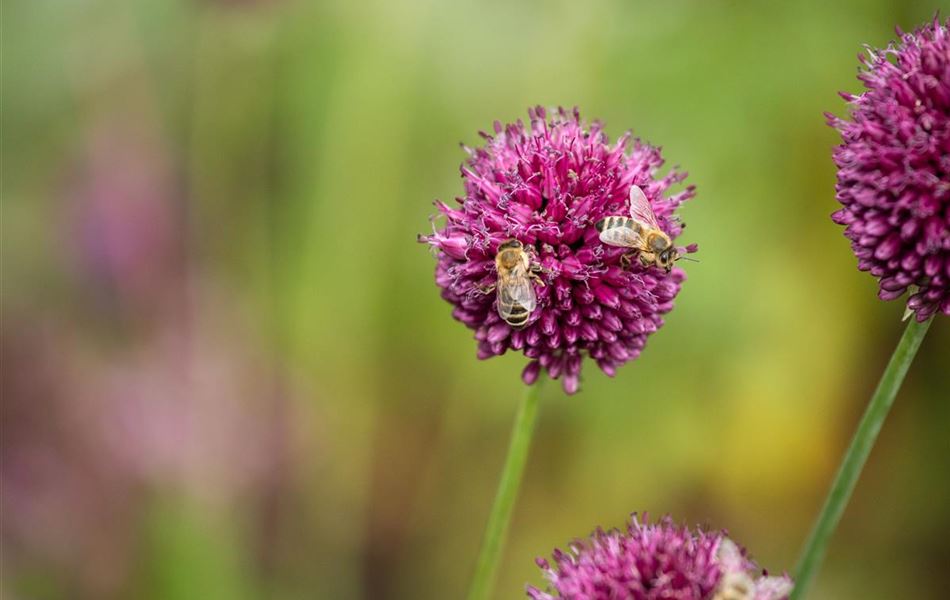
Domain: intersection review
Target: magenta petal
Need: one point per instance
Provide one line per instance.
(498, 332)
(888, 248)
(570, 384)
(530, 373)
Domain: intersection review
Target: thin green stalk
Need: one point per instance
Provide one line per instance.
(857, 454)
(497, 528)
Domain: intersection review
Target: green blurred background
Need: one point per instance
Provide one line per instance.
(227, 371)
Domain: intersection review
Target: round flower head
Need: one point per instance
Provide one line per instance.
(656, 561)
(894, 169)
(545, 187)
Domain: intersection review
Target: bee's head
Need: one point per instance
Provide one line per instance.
(510, 253)
(666, 258)
(511, 244)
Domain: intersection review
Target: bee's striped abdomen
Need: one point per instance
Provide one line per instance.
(614, 222)
(518, 316)
(516, 300)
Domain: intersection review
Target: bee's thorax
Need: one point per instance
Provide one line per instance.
(509, 259)
(658, 241)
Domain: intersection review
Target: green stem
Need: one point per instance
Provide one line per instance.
(497, 528)
(857, 454)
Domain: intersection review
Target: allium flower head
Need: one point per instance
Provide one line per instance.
(894, 169)
(546, 185)
(653, 561)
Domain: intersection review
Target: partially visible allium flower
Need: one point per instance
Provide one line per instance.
(546, 185)
(894, 169)
(123, 220)
(652, 561)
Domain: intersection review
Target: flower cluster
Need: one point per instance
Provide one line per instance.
(653, 561)
(894, 169)
(546, 185)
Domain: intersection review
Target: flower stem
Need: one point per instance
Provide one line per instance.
(497, 528)
(857, 454)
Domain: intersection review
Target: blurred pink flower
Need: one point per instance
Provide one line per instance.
(192, 412)
(124, 227)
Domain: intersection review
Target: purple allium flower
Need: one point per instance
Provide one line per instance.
(894, 169)
(546, 186)
(656, 561)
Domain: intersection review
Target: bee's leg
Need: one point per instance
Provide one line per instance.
(533, 274)
(647, 258)
(535, 269)
(486, 289)
(626, 258)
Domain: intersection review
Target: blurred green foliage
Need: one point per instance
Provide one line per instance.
(300, 146)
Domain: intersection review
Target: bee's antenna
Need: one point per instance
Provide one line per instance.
(689, 259)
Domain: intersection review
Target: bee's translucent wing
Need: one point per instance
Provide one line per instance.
(515, 295)
(625, 237)
(640, 208)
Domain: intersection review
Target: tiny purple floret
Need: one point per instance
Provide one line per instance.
(546, 185)
(894, 169)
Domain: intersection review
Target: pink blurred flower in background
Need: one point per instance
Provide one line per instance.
(157, 385)
(124, 227)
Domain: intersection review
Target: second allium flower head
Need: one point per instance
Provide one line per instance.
(546, 185)
(894, 169)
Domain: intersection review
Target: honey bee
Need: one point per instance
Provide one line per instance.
(516, 299)
(641, 232)
(735, 586)
(735, 583)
